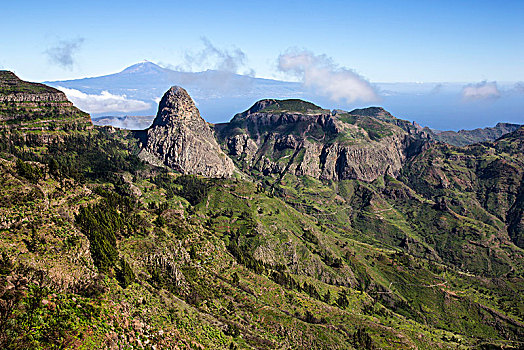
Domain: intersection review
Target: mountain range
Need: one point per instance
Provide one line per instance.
(137, 89)
(290, 226)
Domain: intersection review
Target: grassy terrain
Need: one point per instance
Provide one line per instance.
(292, 105)
(235, 267)
(10, 84)
(100, 250)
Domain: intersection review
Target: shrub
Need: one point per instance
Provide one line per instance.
(32, 173)
(125, 274)
(193, 188)
(100, 224)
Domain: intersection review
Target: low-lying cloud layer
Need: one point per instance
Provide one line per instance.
(481, 91)
(63, 52)
(324, 77)
(125, 122)
(103, 103)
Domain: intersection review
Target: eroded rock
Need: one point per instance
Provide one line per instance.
(182, 140)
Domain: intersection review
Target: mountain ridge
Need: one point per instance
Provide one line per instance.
(221, 94)
(467, 137)
(320, 143)
(40, 111)
(99, 248)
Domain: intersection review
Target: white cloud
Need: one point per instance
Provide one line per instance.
(103, 103)
(481, 91)
(127, 122)
(320, 73)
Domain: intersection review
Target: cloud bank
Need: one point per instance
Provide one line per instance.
(226, 70)
(125, 122)
(63, 52)
(103, 103)
(324, 77)
(481, 91)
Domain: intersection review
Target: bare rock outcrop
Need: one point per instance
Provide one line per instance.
(297, 137)
(182, 140)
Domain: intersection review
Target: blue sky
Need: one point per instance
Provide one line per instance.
(383, 41)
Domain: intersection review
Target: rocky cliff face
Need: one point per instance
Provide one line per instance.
(297, 137)
(182, 140)
(37, 110)
(16, 91)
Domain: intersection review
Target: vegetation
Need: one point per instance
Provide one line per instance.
(292, 105)
(9, 84)
(375, 129)
(99, 250)
(190, 187)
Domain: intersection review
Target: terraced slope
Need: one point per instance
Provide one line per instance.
(37, 111)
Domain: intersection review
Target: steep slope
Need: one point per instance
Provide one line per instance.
(229, 267)
(285, 144)
(100, 250)
(275, 137)
(182, 140)
(485, 176)
(37, 110)
(457, 206)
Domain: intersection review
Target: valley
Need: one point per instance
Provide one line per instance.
(291, 226)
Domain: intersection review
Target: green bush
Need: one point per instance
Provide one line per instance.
(100, 223)
(125, 274)
(193, 188)
(190, 187)
(30, 172)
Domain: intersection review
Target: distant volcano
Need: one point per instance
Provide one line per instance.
(219, 95)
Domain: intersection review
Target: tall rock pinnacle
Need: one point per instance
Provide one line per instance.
(183, 140)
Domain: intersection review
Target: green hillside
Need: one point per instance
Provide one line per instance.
(102, 250)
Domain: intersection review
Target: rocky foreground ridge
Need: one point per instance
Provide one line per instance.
(37, 109)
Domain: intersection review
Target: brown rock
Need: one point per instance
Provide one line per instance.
(182, 140)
